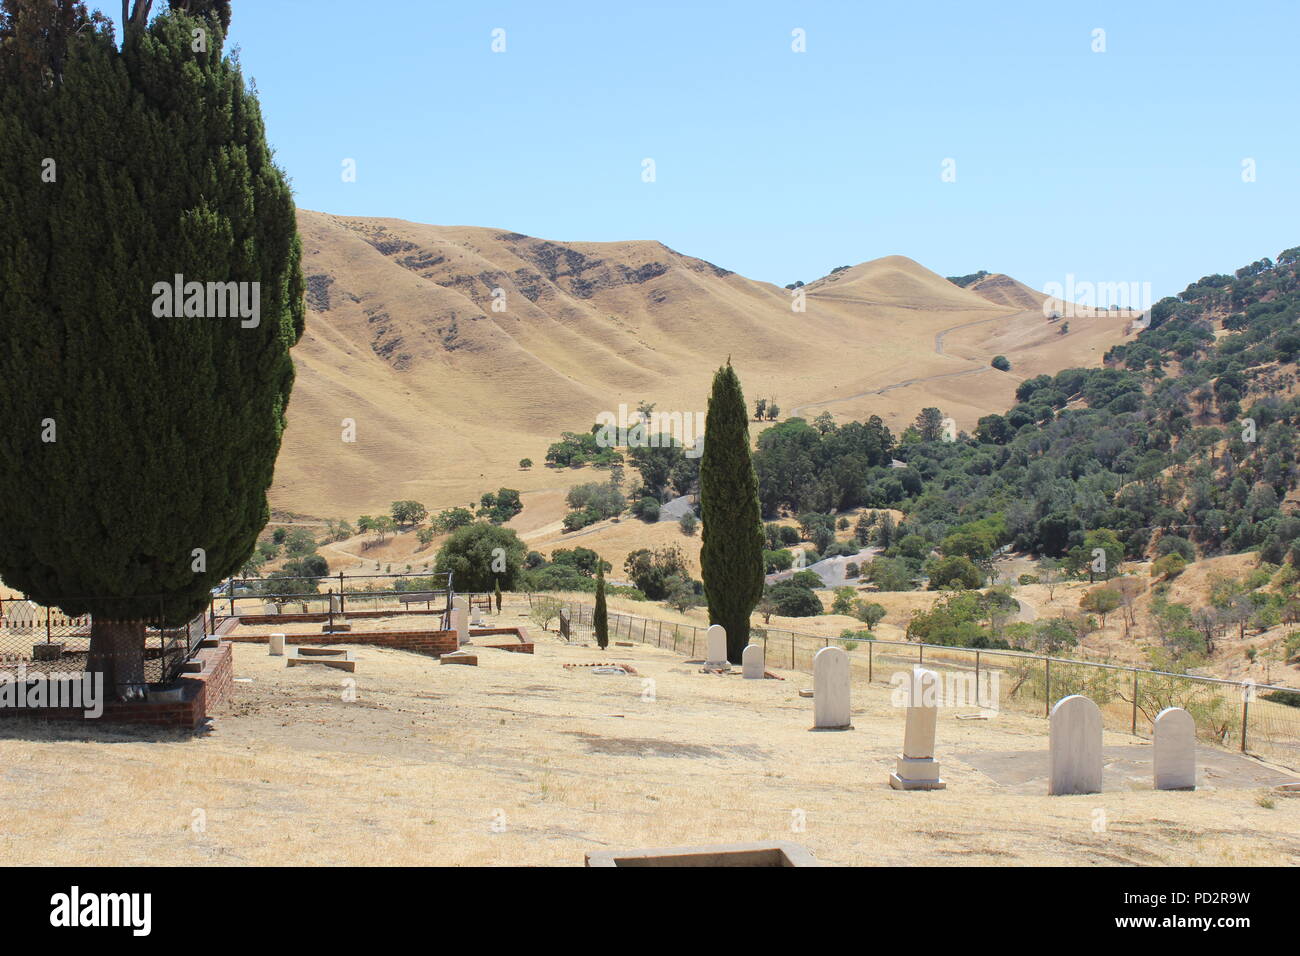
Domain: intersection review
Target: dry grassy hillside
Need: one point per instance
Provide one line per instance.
(457, 351)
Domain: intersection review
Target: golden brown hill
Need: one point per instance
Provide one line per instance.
(1004, 290)
(457, 351)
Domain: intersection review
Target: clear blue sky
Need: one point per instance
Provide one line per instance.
(1117, 166)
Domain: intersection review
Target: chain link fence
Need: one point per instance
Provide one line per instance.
(37, 638)
(1254, 718)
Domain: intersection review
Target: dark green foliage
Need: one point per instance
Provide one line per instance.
(956, 573)
(408, 512)
(167, 428)
(647, 509)
(964, 281)
(592, 502)
(794, 599)
(600, 618)
(500, 507)
(731, 554)
(802, 469)
(652, 571)
(472, 551)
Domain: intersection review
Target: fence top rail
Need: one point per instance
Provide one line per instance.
(336, 577)
(322, 595)
(1028, 655)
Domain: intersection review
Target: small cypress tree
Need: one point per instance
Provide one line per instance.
(731, 554)
(600, 619)
(496, 592)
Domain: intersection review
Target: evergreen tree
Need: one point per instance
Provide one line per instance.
(496, 593)
(600, 619)
(731, 554)
(136, 449)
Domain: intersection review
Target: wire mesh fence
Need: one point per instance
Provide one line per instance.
(284, 594)
(1241, 715)
(35, 638)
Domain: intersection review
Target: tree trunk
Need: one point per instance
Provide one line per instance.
(117, 651)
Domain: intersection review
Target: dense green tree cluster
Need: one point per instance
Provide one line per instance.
(805, 469)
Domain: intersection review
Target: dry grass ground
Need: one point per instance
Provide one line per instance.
(520, 761)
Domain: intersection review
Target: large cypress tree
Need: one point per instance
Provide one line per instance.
(136, 450)
(731, 554)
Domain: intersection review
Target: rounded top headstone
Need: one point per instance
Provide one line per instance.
(1175, 718)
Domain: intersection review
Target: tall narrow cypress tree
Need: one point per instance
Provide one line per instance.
(136, 448)
(600, 618)
(731, 554)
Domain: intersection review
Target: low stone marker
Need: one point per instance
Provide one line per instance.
(831, 689)
(459, 657)
(1173, 766)
(717, 645)
(752, 661)
(276, 645)
(917, 769)
(340, 660)
(476, 617)
(460, 619)
(1075, 743)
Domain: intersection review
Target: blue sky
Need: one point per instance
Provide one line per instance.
(1122, 166)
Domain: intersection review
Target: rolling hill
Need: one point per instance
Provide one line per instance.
(456, 351)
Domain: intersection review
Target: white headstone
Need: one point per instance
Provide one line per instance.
(476, 617)
(917, 769)
(717, 646)
(752, 661)
(276, 645)
(460, 619)
(1174, 740)
(831, 689)
(270, 607)
(336, 603)
(1075, 743)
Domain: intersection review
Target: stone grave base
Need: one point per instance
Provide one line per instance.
(779, 853)
(917, 774)
(340, 660)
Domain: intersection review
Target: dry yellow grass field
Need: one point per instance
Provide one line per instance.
(520, 761)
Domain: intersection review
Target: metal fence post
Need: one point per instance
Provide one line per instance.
(977, 679)
(1047, 688)
(342, 608)
(230, 589)
(792, 650)
(1135, 702)
(871, 661)
(1245, 709)
(921, 658)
